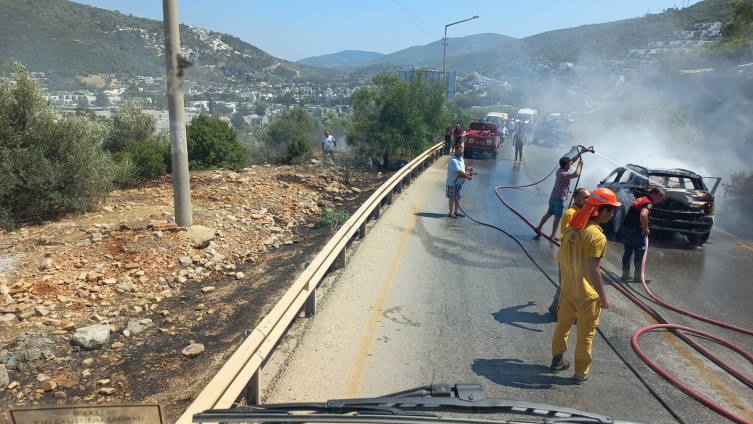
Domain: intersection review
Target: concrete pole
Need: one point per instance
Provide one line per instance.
(444, 59)
(178, 145)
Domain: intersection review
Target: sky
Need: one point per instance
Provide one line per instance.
(296, 29)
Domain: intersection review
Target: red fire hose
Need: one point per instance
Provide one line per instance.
(676, 329)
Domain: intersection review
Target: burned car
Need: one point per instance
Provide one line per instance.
(687, 208)
(482, 137)
(554, 132)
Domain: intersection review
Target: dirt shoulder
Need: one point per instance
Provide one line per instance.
(102, 308)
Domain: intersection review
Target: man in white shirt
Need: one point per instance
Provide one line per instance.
(328, 143)
(457, 173)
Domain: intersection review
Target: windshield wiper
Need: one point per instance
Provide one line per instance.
(408, 406)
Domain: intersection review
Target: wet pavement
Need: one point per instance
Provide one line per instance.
(437, 299)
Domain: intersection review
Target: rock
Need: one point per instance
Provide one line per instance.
(42, 377)
(131, 265)
(207, 289)
(127, 286)
(96, 236)
(159, 234)
(139, 327)
(143, 279)
(13, 385)
(49, 385)
(117, 345)
(47, 263)
(40, 311)
(92, 337)
(107, 209)
(86, 373)
(110, 281)
(240, 275)
(93, 276)
(200, 236)
(4, 378)
(88, 362)
(60, 395)
(185, 261)
(193, 350)
(107, 391)
(8, 320)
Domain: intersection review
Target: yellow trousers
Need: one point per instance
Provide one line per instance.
(587, 312)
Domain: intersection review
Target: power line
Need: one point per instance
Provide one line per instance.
(428, 28)
(403, 11)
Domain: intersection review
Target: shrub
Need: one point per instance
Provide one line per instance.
(48, 166)
(212, 143)
(129, 124)
(124, 172)
(299, 150)
(332, 218)
(740, 185)
(149, 157)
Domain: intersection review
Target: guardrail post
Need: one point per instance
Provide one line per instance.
(339, 262)
(310, 306)
(389, 198)
(377, 209)
(253, 387)
(399, 187)
(362, 231)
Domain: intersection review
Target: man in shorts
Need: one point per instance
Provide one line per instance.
(560, 192)
(457, 173)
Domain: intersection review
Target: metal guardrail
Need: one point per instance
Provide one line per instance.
(242, 370)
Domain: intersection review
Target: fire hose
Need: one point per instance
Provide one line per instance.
(663, 324)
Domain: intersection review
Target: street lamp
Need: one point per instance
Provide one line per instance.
(444, 67)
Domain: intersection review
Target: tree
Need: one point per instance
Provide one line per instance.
(212, 143)
(102, 99)
(48, 166)
(82, 102)
(129, 124)
(294, 122)
(398, 117)
(260, 108)
(237, 121)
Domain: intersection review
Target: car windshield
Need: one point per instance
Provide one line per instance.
(525, 116)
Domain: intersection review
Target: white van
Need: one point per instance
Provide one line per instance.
(530, 119)
(496, 117)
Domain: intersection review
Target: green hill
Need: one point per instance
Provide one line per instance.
(609, 40)
(64, 38)
(346, 58)
(432, 53)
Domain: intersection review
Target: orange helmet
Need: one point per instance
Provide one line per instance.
(600, 196)
(603, 196)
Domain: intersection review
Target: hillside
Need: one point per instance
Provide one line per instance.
(609, 40)
(431, 54)
(63, 38)
(343, 59)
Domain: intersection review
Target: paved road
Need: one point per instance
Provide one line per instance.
(427, 298)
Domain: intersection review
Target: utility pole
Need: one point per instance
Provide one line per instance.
(178, 145)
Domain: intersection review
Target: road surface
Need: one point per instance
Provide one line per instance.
(431, 299)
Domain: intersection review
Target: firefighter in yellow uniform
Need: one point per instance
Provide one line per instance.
(583, 296)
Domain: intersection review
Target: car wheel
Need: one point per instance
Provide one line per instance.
(617, 219)
(699, 239)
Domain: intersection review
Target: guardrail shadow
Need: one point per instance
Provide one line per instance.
(431, 215)
(518, 374)
(514, 316)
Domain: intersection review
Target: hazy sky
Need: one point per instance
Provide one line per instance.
(295, 29)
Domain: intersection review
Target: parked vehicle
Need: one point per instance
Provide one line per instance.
(554, 131)
(496, 118)
(530, 120)
(482, 137)
(687, 208)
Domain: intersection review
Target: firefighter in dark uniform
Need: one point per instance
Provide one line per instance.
(634, 232)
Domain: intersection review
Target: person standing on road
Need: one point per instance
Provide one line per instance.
(519, 140)
(457, 173)
(328, 143)
(511, 126)
(560, 192)
(458, 135)
(583, 296)
(447, 140)
(634, 232)
(580, 197)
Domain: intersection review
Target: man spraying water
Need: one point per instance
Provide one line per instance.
(560, 192)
